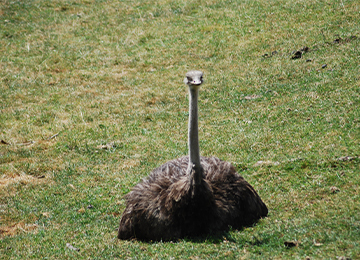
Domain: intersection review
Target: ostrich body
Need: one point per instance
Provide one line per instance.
(192, 195)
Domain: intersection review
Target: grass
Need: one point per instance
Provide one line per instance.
(81, 76)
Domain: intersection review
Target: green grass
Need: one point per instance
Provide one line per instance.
(110, 72)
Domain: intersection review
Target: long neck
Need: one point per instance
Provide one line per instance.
(193, 137)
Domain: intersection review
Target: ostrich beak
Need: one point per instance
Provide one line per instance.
(195, 81)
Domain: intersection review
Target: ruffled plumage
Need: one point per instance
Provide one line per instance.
(165, 206)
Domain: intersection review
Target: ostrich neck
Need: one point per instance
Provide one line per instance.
(194, 168)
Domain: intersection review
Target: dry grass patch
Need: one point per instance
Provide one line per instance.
(23, 179)
(15, 229)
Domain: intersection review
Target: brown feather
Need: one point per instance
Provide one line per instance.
(165, 206)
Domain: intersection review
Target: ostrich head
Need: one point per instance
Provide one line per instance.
(193, 78)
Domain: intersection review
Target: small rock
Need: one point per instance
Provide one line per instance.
(290, 244)
(324, 66)
(90, 206)
(68, 245)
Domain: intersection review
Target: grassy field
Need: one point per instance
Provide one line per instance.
(92, 100)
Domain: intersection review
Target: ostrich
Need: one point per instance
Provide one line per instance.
(190, 196)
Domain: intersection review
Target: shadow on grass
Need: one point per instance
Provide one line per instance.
(215, 238)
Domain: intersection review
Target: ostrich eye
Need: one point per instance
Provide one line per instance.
(189, 79)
